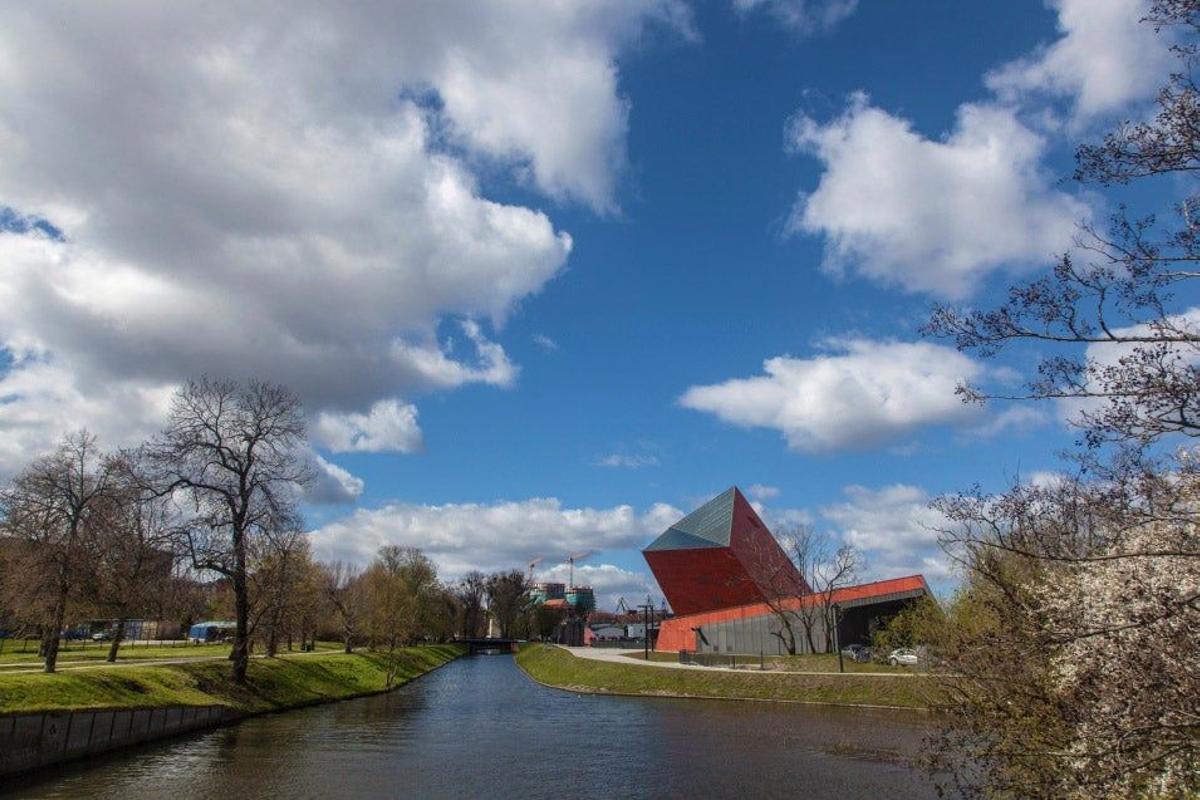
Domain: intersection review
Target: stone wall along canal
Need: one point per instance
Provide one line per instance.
(479, 727)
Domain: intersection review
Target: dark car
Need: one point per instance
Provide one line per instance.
(857, 652)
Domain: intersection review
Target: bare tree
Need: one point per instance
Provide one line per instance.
(130, 541)
(781, 583)
(47, 509)
(508, 596)
(343, 591)
(471, 591)
(281, 595)
(232, 450)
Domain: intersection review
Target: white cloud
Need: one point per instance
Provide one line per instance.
(761, 492)
(296, 194)
(609, 582)
(802, 16)
(333, 485)
(1016, 418)
(1104, 60)
(545, 342)
(626, 461)
(861, 394)
(40, 399)
(895, 529)
(389, 425)
(503, 535)
(931, 215)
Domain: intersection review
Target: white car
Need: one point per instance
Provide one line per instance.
(905, 656)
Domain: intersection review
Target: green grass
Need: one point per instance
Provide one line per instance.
(273, 683)
(556, 667)
(15, 654)
(820, 662)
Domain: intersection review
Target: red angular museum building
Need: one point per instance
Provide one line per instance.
(718, 567)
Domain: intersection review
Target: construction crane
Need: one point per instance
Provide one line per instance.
(623, 607)
(571, 559)
(533, 563)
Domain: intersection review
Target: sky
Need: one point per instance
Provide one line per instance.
(548, 275)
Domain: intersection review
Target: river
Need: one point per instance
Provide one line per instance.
(478, 727)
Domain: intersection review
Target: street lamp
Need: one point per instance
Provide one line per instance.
(647, 615)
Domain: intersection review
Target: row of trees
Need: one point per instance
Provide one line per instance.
(203, 520)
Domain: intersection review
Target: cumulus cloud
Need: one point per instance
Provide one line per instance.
(802, 16)
(288, 190)
(463, 536)
(626, 461)
(895, 529)
(860, 394)
(1104, 59)
(333, 485)
(389, 425)
(761, 492)
(930, 215)
(1014, 419)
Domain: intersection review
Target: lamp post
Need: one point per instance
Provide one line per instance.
(647, 615)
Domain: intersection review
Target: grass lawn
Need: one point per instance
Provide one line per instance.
(819, 662)
(557, 667)
(273, 683)
(23, 653)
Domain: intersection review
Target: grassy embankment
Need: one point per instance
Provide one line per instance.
(273, 683)
(558, 668)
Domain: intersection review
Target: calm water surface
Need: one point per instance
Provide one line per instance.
(479, 727)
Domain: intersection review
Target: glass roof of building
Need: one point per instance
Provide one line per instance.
(710, 525)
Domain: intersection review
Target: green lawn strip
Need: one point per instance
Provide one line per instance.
(273, 683)
(556, 667)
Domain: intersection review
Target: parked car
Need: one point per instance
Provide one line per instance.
(857, 652)
(905, 656)
(102, 636)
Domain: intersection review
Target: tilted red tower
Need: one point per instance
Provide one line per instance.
(721, 555)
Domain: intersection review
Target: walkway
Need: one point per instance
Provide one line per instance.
(620, 657)
(69, 666)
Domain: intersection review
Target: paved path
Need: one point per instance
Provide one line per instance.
(69, 666)
(620, 657)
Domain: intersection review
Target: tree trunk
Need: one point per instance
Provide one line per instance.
(118, 635)
(241, 636)
(55, 633)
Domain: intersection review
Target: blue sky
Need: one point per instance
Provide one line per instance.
(527, 265)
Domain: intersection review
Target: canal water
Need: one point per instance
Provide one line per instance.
(479, 727)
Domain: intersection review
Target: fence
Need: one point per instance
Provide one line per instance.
(722, 660)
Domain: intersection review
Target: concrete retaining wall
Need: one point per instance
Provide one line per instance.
(30, 741)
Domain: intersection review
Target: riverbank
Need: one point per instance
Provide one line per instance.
(557, 668)
(47, 719)
(272, 684)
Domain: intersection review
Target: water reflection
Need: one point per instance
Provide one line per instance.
(479, 727)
